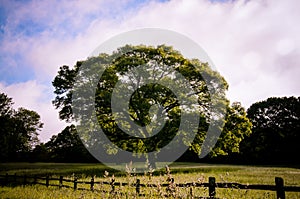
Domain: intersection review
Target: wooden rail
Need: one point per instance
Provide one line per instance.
(211, 184)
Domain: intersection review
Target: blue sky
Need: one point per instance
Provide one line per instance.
(27, 25)
(254, 44)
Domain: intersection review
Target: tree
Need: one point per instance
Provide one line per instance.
(66, 147)
(30, 124)
(40, 153)
(276, 127)
(237, 127)
(148, 99)
(19, 129)
(6, 125)
(5, 105)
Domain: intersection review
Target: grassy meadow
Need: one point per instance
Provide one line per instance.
(181, 172)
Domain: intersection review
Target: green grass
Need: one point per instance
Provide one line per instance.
(43, 169)
(181, 172)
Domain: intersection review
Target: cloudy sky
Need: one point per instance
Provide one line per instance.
(254, 44)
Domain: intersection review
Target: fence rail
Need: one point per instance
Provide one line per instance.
(211, 184)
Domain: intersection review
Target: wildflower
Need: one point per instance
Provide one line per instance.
(106, 173)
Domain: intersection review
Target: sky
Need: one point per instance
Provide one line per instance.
(254, 44)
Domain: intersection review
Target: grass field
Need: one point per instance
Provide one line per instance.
(181, 172)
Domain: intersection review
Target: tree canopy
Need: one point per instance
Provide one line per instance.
(276, 130)
(150, 102)
(237, 127)
(65, 147)
(19, 130)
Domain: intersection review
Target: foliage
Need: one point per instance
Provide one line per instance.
(63, 84)
(276, 127)
(40, 153)
(121, 63)
(237, 127)
(30, 122)
(19, 130)
(66, 147)
(5, 105)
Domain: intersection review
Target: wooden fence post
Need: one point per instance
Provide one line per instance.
(279, 188)
(92, 184)
(25, 179)
(212, 187)
(75, 183)
(61, 181)
(191, 192)
(6, 179)
(47, 181)
(35, 179)
(112, 185)
(137, 186)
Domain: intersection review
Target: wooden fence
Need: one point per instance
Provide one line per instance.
(211, 184)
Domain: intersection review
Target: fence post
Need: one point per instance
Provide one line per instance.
(6, 179)
(191, 192)
(92, 184)
(61, 181)
(25, 179)
(279, 188)
(47, 181)
(112, 185)
(137, 186)
(75, 183)
(35, 179)
(212, 187)
(15, 177)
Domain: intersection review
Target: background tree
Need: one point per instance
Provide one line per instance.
(6, 112)
(66, 147)
(276, 131)
(30, 124)
(5, 105)
(40, 153)
(19, 130)
(120, 64)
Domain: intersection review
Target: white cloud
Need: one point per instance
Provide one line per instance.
(285, 46)
(254, 44)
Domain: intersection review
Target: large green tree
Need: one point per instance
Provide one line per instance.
(19, 129)
(276, 131)
(237, 127)
(209, 87)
